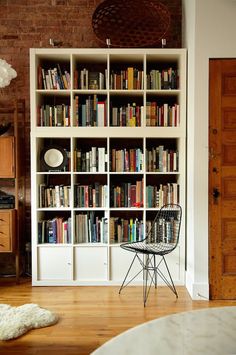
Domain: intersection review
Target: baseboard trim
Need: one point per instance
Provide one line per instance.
(197, 291)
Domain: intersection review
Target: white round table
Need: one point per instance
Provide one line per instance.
(210, 331)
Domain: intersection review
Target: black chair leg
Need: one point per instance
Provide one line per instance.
(148, 271)
(130, 267)
(155, 271)
(145, 285)
(170, 283)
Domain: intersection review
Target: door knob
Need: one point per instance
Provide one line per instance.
(215, 193)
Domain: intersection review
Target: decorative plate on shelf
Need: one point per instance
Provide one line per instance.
(53, 158)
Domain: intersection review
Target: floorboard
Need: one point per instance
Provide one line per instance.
(89, 316)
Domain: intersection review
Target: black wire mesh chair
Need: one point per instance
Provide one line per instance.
(161, 239)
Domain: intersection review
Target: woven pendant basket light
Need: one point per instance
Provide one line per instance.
(131, 23)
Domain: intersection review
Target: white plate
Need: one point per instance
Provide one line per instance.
(53, 157)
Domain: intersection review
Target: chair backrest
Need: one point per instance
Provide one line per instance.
(165, 227)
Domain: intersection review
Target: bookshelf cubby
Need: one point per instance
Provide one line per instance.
(108, 134)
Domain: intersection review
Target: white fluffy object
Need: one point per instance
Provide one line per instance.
(7, 73)
(15, 321)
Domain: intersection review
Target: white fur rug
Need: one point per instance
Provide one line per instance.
(15, 321)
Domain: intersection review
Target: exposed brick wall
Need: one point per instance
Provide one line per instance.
(28, 24)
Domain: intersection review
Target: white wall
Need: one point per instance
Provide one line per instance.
(209, 32)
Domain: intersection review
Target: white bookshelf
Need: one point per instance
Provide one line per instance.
(77, 262)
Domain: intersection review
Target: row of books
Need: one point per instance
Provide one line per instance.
(53, 78)
(54, 196)
(94, 160)
(125, 230)
(164, 79)
(162, 116)
(130, 115)
(91, 112)
(126, 160)
(129, 79)
(159, 159)
(54, 115)
(56, 230)
(95, 195)
(90, 228)
(89, 80)
(127, 195)
(157, 196)
(94, 113)
(165, 230)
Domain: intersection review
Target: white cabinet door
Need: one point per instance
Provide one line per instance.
(120, 261)
(54, 263)
(90, 263)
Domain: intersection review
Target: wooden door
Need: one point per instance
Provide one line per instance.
(7, 160)
(222, 179)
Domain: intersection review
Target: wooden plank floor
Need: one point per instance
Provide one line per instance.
(89, 316)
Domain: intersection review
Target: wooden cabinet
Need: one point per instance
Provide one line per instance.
(12, 181)
(7, 157)
(7, 231)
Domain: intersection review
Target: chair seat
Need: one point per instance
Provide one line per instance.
(149, 248)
